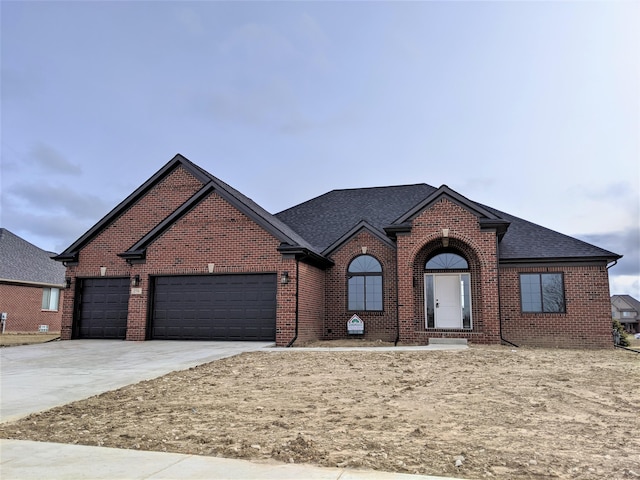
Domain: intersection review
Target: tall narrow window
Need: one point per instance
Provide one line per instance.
(365, 283)
(50, 298)
(542, 292)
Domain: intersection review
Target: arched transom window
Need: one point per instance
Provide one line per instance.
(365, 283)
(447, 261)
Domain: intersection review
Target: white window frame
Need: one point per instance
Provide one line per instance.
(50, 299)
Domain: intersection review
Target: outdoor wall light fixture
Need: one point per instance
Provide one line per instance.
(135, 281)
(284, 279)
(67, 282)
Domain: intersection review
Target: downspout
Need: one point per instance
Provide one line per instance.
(499, 295)
(395, 343)
(295, 335)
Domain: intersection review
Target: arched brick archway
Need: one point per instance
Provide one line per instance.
(431, 249)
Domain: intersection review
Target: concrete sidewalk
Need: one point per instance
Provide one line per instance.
(25, 460)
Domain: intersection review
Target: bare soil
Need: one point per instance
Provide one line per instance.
(504, 413)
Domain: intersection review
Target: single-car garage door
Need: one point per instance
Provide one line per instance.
(215, 307)
(103, 308)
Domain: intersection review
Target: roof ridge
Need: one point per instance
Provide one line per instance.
(380, 187)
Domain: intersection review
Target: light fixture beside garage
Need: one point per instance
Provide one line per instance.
(67, 282)
(135, 281)
(284, 278)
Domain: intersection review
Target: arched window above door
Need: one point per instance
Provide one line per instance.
(447, 261)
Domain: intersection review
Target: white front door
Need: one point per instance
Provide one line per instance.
(448, 304)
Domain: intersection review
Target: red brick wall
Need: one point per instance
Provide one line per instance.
(23, 304)
(377, 325)
(124, 232)
(479, 247)
(586, 323)
(214, 232)
(311, 305)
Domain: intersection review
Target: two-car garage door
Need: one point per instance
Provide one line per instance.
(215, 307)
(198, 307)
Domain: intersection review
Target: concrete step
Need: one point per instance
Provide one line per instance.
(447, 341)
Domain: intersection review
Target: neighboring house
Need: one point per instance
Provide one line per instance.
(186, 256)
(31, 286)
(626, 309)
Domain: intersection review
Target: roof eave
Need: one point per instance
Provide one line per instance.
(66, 258)
(560, 260)
(500, 226)
(393, 230)
(306, 255)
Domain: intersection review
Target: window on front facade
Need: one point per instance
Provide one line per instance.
(542, 292)
(50, 298)
(447, 261)
(365, 283)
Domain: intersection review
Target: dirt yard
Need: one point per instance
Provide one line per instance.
(499, 412)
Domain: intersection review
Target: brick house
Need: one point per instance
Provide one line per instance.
(626, 309)
(31, 286)
(186, 256)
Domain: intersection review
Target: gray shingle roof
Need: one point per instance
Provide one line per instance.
(324, 219)
(526, 240)
(632, 302)
(24, 262)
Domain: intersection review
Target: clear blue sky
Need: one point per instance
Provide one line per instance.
(532, 108)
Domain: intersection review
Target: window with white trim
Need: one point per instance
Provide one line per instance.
(50, 299)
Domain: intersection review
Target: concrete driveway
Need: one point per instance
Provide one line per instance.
(38, 377)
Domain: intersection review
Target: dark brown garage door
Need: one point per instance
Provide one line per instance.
(104, 303)
(215, 307)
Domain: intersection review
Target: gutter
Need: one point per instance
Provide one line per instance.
(295, 335)
(32, 284)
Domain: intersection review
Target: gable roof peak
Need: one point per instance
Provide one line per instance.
(478, 210)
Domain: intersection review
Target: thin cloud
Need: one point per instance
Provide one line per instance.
(258, 43)
(49, 159)
(54, 199)
(190, 21)
(626, 243)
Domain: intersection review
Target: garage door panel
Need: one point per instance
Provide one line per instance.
(215, 307)
(104, 304)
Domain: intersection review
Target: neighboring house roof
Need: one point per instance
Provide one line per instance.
(21, 261)
(632, 303)
(325, 219)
